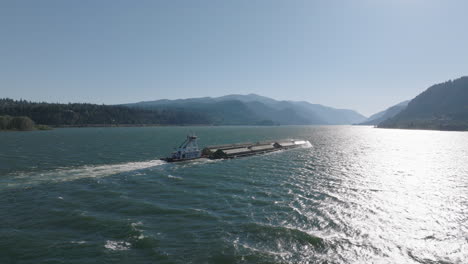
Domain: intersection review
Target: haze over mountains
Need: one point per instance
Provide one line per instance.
(442, 106)
(226, 110)
(254, 109)
(390, 112)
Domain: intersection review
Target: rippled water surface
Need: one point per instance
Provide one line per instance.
(358, 195)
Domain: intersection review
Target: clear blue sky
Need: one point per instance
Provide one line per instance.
(364, 55)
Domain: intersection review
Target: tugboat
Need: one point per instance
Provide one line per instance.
(188, 150)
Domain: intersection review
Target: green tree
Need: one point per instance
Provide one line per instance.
(21, 123)
(4, 121)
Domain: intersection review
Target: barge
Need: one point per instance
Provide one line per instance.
(189, 150)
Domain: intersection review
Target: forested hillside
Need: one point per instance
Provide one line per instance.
(75, 114)
(442, 106)
(253, 109)
(226, 110)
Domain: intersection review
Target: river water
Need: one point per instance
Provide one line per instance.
(357, 195)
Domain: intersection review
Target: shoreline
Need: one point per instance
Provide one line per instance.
(422, 128)
(128, 125)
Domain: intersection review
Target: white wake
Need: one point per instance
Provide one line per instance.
(74, 173)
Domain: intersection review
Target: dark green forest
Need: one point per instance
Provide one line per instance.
(82, 114)
(442, 106)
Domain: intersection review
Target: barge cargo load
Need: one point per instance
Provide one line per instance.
(249, 149)
(188, 150)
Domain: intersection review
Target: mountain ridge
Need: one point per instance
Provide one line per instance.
(381, 116)
(263, 108)
(442, 106)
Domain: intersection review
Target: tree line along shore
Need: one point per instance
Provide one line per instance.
(443, 106)
(26, 115)
(19, 123)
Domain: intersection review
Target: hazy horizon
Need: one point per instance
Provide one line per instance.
(361, 55)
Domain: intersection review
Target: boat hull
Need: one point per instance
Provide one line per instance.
(168, 159)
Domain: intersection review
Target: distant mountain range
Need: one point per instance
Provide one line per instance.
(442, 106)
(254, 109)
(390, 112)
